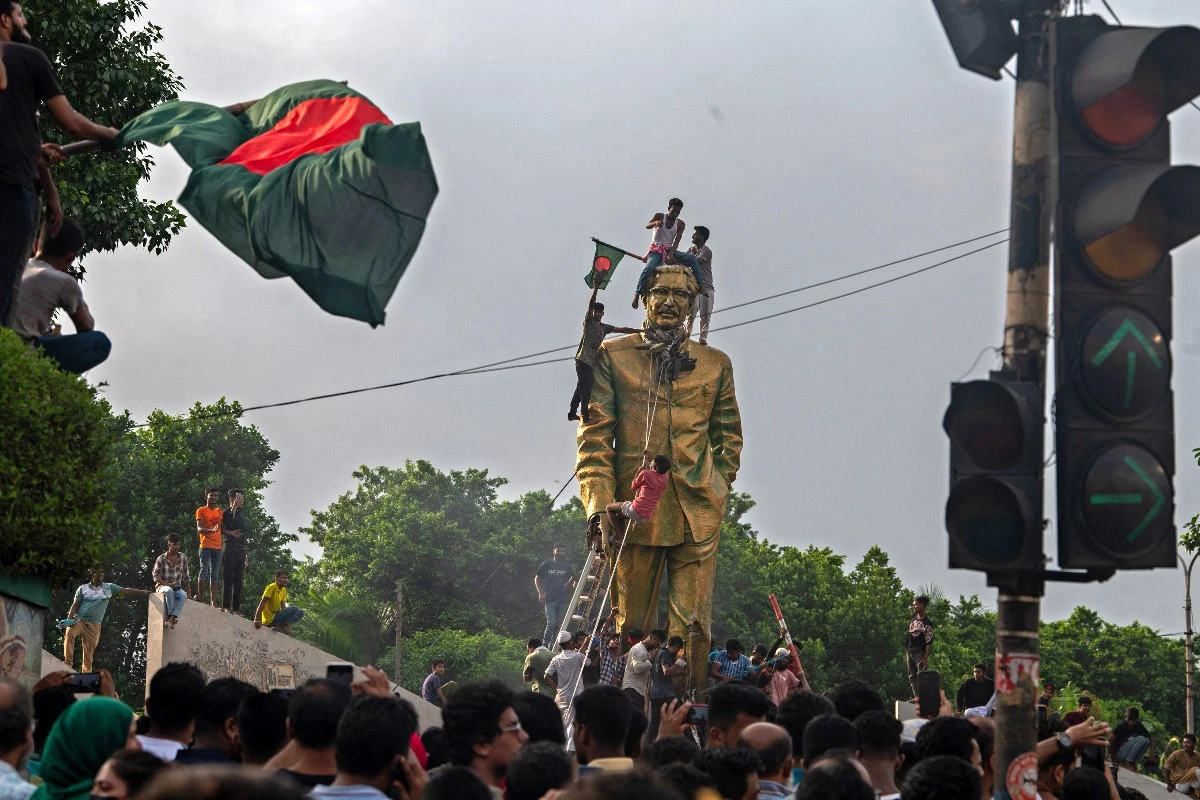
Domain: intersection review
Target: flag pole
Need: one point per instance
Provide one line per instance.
(626, 252)
(91, 145)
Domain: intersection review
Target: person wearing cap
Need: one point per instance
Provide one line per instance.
(1080, 714)
(563, 676)
(783, 682)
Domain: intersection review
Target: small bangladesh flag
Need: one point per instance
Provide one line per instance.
(604, 264)
(312, 182)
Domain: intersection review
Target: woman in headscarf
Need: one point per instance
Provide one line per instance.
(81, 741)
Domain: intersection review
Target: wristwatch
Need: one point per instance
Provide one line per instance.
(1065, 742)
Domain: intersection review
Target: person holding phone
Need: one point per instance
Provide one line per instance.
(87, 615)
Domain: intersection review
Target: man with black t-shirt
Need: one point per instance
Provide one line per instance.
(31, 81)
(551, 581)
(918, 643)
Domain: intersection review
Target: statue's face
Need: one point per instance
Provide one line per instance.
(669, 303)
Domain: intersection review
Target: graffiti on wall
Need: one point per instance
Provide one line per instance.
(20, 640)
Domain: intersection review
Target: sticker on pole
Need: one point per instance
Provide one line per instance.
(1016, 670)
(1022, 777)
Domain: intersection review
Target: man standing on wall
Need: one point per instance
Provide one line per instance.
(87, 614)
(233, 531)
(208, 524)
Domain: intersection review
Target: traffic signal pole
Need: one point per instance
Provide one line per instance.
(1026, 322)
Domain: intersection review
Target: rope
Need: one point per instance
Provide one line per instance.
(653, 384)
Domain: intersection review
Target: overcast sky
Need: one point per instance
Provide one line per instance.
(813, 139)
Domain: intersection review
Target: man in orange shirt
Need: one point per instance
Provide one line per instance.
(208, 523)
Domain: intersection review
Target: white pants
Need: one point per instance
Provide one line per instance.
(704, 307)
(1184, 788)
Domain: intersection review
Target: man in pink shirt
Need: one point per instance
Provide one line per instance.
(649, 485)
(783, 682)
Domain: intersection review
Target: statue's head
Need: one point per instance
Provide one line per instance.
(669, 295)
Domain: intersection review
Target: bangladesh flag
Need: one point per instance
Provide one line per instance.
(313, 182)
(604, 263)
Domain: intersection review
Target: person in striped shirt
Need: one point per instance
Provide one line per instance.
(729, 664)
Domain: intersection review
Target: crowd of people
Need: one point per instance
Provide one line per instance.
(345, 740)
(222, 557)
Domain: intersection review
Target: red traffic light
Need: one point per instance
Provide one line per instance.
(1119, 86)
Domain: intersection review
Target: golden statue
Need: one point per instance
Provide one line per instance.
(693, 419)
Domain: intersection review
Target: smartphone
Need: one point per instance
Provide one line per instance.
(284, 692)
(340, 671)
(698, 714)
(84, 682)
(929, 692)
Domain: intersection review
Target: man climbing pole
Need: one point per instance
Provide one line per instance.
(691, 416)
(594, 332)
(664, 246)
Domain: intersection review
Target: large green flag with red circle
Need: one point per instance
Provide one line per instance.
(312, 182)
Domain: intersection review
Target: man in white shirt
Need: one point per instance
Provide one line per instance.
(563, 675)
(175, 693)
(636, 683)
(47, 285)
(704, 301)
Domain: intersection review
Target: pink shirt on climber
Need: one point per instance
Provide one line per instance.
(649, 486)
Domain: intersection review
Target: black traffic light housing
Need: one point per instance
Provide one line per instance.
(980, 33)
(994, 514)
(1121, 208)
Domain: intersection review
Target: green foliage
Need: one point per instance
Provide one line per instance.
(444, 535)
(109, 69)
(1117, 662)
(158, 476)
(339, 623)
(53, 466)
(468, 656)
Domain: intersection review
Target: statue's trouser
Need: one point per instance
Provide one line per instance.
(690, 569)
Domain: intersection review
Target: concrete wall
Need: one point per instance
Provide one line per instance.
(52, 663)
(228, 645)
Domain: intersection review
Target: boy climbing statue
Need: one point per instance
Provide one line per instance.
(649, 485)
(594, 332)
(664, 246)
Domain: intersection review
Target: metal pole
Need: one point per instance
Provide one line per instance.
(1187, 642)
(399, 619)
(1026, 322)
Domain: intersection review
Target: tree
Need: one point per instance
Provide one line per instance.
(110, 72)
(57, 433)
(467, 558)
(351, 629)
(158, 476)
(468, 656)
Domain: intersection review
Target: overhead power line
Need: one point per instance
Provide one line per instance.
(510, 363)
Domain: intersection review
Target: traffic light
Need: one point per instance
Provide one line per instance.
(1121, 209)
(980, 33)
(994, 514)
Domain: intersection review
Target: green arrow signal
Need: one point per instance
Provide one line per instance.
(1134, 499)
(1127, 328)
